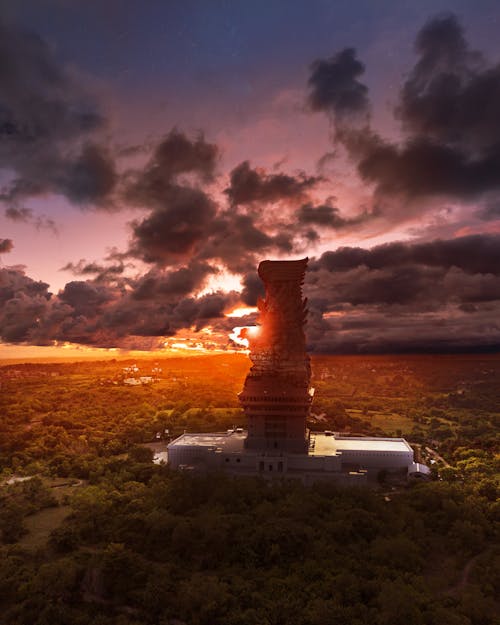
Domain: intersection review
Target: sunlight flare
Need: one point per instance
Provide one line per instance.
(242, 311)
(240, 333)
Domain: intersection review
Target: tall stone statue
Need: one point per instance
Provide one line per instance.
(277, 396)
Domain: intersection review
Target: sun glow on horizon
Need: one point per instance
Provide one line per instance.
(196, 347)
(242, 311)
(239, 334)
(224, 281)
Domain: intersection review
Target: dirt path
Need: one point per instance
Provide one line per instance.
(464, 578)
(436, 456)
(70, 483)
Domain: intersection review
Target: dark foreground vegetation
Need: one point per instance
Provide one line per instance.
(99, 534)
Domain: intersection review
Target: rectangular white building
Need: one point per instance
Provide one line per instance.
(330, 456)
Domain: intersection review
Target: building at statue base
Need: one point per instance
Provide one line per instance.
(346, 460)
(276, 399)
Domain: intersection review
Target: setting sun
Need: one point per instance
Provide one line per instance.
(240, 333)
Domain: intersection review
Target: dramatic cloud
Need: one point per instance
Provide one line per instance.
(239, 240)
(46, 124)
(191, 227)
(327, 216)
(22, 302)
(253, 288)
(176, 229)
(185, 223)
(174, 156)
(124, 313)
(100, 271)
(436, 296)
(249, 185)
(472, 254)
(6, 245)
(182, 281)
(452, 95)
(91, 177)
(334, 87)
(422, 168)
(449, 113)
(177, 154)
(364, 331)
(85, 298)
(441, 295)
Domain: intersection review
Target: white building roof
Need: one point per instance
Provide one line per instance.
(227, 441)
(321, 444)
(329, 445)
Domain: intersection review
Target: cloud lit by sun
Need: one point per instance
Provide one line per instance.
(240, 333)
(242, 311)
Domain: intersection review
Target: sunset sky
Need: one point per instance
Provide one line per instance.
(152, 153)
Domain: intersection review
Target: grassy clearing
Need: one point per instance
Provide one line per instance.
(41, 524)
(390, 422)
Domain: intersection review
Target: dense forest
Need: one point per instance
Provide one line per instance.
(93, 531)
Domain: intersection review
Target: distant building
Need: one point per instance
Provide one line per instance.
(143, 379)
(277, 399)
(132, 381)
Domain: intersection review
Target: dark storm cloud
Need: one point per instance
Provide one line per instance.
(423, 168)
(442, 295)
(253, 288)
(176, 229)
(22, 302)
(415, 287)
(85, 298)
(174, 156)
(435, 296)
(186, 223)
(182, 281)
(451, 95)
(183, 218)
(388, 316)
(6, 245)
(238, 240)
(192, 227)
(14, 282)
(472, 254)
(91, 177)
(327, 216)
(249, 185)
(334, 87)
(164, 317)
(376, 333)
(46, 121)
(448, 108)
(323, 215)
(125, 316)
(124, 313)
(100, 272)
